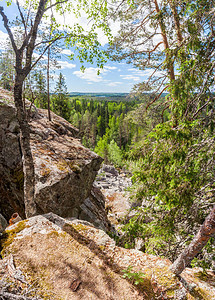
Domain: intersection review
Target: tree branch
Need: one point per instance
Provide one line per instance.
(157, 97)
(53, 5)
(22, 17)
(47, 47)
(5, 20)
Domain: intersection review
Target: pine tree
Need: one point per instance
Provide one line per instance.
(60, 101)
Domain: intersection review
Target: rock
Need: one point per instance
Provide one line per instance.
(109, 169)
(93, 210)
(64, 169)
(3, 223)
(139, 244)
(113, 186)
(54, 252)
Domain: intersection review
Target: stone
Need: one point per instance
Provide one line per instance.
(109, 169)
(51, 252)
(93, 210)
(3, 223)
(64, 169)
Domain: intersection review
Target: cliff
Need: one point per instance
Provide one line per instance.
(64, 169)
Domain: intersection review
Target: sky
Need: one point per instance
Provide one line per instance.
(115, 77)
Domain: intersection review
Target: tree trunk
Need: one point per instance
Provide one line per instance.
(48, 92)
(176, 22)
(170, 64)
(27, 159)
(166, 44)
(206, 231)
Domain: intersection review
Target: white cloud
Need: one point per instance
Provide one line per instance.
(3, 39)
(145, 73)
(67, 52)
(110, 68)
(114, 83)
(66, 65)
(90, 74)
(130, 77)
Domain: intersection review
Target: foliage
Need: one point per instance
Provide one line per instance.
(60, 100)
(104, 126)
(135, 277)
(6, 67)
(173, 165)
(174, 184)
(40, 90)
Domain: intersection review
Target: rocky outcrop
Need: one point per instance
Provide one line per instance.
(54, 258)
(3, 223)
(64, 168)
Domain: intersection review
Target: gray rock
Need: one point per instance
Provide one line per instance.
(93, 210)
(3, 223)
(109, 169)
(64, 169)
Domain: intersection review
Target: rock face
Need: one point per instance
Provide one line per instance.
(50, 257)
(3, 223)
(64, 169)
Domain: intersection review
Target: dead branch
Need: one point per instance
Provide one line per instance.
(157, 97)
(5, 20)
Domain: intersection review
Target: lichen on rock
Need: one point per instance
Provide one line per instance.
(64, 169)
(53, 252)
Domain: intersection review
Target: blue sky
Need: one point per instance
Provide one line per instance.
(115, 77)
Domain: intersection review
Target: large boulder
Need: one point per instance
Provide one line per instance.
(3, 223)
(64, 168)
(54, 258)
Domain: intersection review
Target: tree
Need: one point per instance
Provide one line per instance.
(176, 161)
(114, 154)
(40, 89)
(165, 37)
(206, 231)
(60, 101)
(6, 67)
(31, 16)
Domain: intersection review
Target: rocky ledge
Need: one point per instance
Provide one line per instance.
(64, 169)
(49, 257)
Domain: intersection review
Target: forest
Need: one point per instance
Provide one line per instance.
(163, 132)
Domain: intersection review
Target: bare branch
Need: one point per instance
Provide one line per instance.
(5, 19)
(22, 17)
(47, 47)
(203, 106)
(157, 97)
(31, 44)
(53, 5)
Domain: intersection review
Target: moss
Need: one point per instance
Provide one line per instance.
(39, 283)
(204, 276)
(9, 236)
(45, 172)
(62, 165)
(79, 227)
(18, 178)
(102, 247)
(75, 168)
(199, 294)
